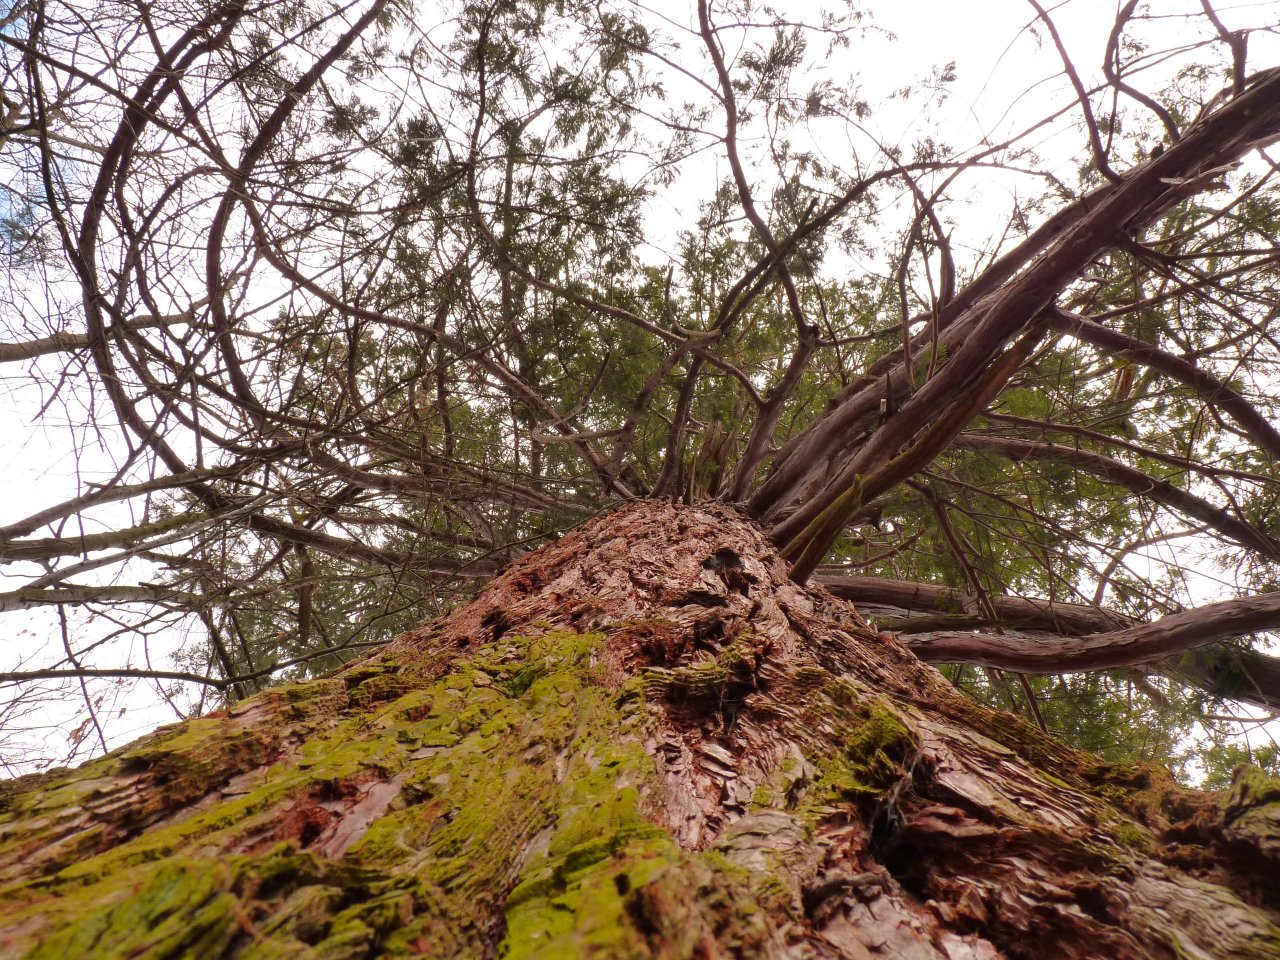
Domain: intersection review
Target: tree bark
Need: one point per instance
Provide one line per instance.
(641, 741)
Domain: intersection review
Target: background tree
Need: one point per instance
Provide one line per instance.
(348, 308)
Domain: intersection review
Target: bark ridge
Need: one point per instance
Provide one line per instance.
(643, 740)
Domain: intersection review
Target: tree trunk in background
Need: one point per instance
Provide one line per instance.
(641, 741)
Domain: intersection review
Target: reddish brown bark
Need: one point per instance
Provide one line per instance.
(804, 787)
(1143, 643)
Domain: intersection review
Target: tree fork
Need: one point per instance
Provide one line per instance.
(1210, 146)
(807, 548)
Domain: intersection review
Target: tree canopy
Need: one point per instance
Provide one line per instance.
(344, 307)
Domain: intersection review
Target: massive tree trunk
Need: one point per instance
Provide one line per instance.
(641, 741)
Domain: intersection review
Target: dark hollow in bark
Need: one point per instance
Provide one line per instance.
(641, 741)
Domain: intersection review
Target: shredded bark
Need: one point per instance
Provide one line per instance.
(643, 740)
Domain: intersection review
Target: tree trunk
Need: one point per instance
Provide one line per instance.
(641, 741)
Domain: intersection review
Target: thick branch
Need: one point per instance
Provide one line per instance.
(1227, 671)
(27, 598)
(974, 341)
(65, 342)
(1013, 612)
(114, 493)
(1230, 672)
(48, 547)
(1141, 644)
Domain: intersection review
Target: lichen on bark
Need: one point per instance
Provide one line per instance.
(641, 741)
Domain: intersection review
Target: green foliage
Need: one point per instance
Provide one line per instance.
(1221, 759)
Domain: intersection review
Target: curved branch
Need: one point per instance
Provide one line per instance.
(29, 598)
(1013, 612)
(1209, 387)
(66, 342)
(1142, 644)
(113, 493)
(238, 188)
(1043, 428)
(1082, 95)
(1132, 479)
(422, 483)
(979, 334)
(1111, 69)
(46, 548)
(1227, 671)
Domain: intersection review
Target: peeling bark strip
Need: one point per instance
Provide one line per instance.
(641, 741)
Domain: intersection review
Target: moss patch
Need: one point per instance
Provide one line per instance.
(517, 771)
